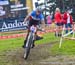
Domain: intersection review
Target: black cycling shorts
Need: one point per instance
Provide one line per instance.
(33, 22)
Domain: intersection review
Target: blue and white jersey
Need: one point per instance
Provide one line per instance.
(37, 17)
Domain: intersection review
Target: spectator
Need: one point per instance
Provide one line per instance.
(49, 20)
(68, 21)
(58, 22)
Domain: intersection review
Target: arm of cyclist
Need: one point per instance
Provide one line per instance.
(27, 17)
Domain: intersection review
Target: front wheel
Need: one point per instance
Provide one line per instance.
(28, 45)
(26, 53)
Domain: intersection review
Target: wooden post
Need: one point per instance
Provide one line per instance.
(61, 37)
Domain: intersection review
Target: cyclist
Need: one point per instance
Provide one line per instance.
(35, 17)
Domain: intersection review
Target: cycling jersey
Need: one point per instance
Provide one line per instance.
(36, 17)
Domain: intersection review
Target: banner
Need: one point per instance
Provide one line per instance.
(12, 25)
(2, 12)
(4, 2)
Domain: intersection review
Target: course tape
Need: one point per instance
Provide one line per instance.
(16, 36)
(12, 36)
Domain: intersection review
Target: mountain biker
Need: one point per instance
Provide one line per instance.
(35, 17)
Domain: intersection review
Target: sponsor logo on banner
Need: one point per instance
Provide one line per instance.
(12, 25)
(4, 2)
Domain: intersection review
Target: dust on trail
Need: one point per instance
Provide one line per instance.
(40, 55)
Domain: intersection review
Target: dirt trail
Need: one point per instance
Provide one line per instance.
(40, 55)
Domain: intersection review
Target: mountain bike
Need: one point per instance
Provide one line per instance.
(30, 39)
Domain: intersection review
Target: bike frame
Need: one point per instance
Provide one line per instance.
(31, 33)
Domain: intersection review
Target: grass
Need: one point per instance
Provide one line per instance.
(49, 37)
(10, 44)
(13, 32)
(67, 48)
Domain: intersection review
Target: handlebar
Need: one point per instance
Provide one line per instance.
(39, 28)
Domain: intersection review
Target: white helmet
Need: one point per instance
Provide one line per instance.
(39, 10)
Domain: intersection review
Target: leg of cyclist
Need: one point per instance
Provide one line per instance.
(35, 23)
(26, 37)
(29, 25)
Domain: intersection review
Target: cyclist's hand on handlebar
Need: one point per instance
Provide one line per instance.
(43, 29)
